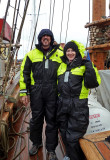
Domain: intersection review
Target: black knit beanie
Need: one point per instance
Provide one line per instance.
(73, 46)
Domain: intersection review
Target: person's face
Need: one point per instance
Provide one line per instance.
(70, 54)
(46, 40)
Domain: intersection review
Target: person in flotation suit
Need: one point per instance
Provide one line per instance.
(38, 77)
(75, 77)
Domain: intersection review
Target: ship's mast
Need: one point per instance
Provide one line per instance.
(99, 9)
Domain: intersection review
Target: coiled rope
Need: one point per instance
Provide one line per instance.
(4, 142)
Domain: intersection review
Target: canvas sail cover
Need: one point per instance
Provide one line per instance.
(103, 91)
(99, 105)
(99, 117)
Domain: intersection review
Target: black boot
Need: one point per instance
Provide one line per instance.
(34, 149)
(51, 156)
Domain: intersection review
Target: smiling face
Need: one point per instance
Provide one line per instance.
(70, 54)
(46, 40)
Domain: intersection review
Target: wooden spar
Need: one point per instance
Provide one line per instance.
(8, 45)
(99, 9)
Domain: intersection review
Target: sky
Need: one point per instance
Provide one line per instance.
(78, 17)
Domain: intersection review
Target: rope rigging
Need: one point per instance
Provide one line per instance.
(62, 21)
(68, 21)
(16, 9)
(53, 14)
(10, 58)
(8, 131)
(11, 52)
(36, 24)
(3, 55)
(16, 20)
(23, 19)
(50, 14)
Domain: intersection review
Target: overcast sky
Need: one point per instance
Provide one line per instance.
(78, 17)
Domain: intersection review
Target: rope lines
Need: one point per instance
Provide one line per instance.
(62, 21)
(8, 134)
(23, 19)
(16, 21)
(53, 14)
(11, 53)
(68, 21)
(36, 24)
(10, 58)
(50, 13)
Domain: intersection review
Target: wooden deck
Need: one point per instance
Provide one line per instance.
(95, 146)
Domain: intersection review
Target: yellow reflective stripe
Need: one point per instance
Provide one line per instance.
(97, 74)
(32, 79)
(84, 92)
(23, 94)
(78, 70)
(56, 56)
(60, 47)
(21, 81)
(61, 69)
(35, 55)
(37, 60)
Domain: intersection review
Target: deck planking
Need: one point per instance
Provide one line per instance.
(95, 146)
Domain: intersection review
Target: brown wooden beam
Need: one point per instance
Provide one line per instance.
(105, 46)
(99, 9)
(98, 22)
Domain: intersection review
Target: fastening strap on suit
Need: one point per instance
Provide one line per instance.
(48, 56)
